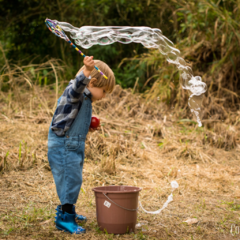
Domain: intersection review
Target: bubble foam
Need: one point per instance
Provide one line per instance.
(88, 36)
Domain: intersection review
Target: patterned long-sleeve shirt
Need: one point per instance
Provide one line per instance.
(70, 104)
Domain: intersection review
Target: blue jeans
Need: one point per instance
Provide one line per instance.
(66, 155)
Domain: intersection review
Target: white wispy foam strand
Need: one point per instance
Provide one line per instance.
(174, 186)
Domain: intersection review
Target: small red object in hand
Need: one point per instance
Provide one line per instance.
(95, 122)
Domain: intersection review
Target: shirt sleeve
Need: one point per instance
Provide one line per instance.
(76, 87)
(70, 104)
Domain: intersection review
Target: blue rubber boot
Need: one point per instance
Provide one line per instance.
(77, 216)
(67, 223)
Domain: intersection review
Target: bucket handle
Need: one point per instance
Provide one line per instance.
(117, 204)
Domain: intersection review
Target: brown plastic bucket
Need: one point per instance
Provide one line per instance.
(116, 208)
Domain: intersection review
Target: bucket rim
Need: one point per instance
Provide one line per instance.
(99, 190)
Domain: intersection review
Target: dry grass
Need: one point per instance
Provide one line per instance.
(140, 144)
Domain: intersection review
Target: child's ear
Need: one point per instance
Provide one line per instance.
(92, 82)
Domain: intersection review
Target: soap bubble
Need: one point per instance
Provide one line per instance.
(88, 36)
(174, 184)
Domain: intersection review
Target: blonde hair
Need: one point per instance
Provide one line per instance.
(98, 80)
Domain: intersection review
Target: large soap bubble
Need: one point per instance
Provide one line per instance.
(88, 36)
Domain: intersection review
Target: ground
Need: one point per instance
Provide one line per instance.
(141, 144)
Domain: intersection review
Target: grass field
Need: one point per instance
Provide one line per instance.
(140, 143)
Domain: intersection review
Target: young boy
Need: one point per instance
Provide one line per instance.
(67, 135)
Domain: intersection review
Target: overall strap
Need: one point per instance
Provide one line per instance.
(82, 121)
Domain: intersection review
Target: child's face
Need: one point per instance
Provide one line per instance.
(97, 92)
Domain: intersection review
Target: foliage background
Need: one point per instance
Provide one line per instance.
(205, 31)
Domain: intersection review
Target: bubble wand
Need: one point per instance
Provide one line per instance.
(55, 28)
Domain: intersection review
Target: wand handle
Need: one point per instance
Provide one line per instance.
(77, 49)
(55, 28)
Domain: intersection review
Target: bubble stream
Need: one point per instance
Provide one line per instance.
(88, 36)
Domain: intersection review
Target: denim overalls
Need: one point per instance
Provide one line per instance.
(66, 154)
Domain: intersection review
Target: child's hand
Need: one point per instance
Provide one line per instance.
(89, 65)
(94, 129)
